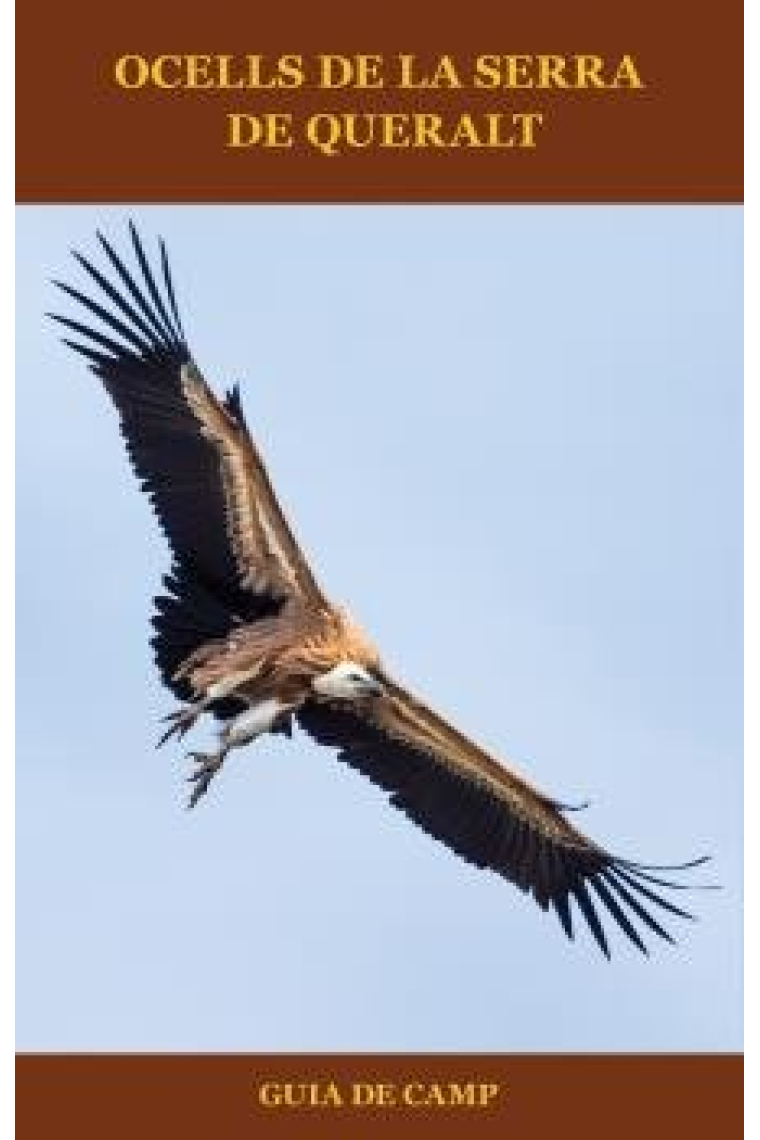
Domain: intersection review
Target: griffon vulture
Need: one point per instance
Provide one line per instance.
(244, 631)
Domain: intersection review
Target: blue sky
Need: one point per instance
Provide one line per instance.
(510, 440)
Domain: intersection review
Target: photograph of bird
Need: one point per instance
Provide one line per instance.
(245, 634)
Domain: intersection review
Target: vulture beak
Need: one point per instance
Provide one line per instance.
(377, 688)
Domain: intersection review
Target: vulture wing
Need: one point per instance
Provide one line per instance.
(491, 816)
(235, 556)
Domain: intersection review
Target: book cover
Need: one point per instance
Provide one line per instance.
(420, 332)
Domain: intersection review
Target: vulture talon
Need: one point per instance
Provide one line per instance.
(207, 766)
(180, 722)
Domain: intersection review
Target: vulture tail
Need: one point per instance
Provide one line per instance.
(187, 616)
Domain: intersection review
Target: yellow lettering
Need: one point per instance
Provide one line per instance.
(518, 71)
(335, 70)
(626, 74)
(414, 1094)
(465, 133)
(270, 1094)
(487, 71)
(157, 71)
(244, 131)
(198, 67)
(271, 130)
(368, 71)
(427, 130)
(588, 71)
(323, 131)
(408, 77)
(290, 71)
(225, 80)
(394, 130)
(445, 73)
(131, 71)
(527, 121)
(551, 70)
(462, 1095)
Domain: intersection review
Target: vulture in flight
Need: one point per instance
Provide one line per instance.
(244, 633)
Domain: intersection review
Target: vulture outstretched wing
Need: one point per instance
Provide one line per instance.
(235, 556)
(236, 560)
(491, 816)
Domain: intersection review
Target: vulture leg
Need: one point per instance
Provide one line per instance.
(183, 719)
(268, 716)
(207, 764)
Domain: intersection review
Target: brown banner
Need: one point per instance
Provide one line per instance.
(537, 119)
(587, 1097)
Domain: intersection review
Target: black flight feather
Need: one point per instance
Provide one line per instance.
(136, 346)
(474, 822)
